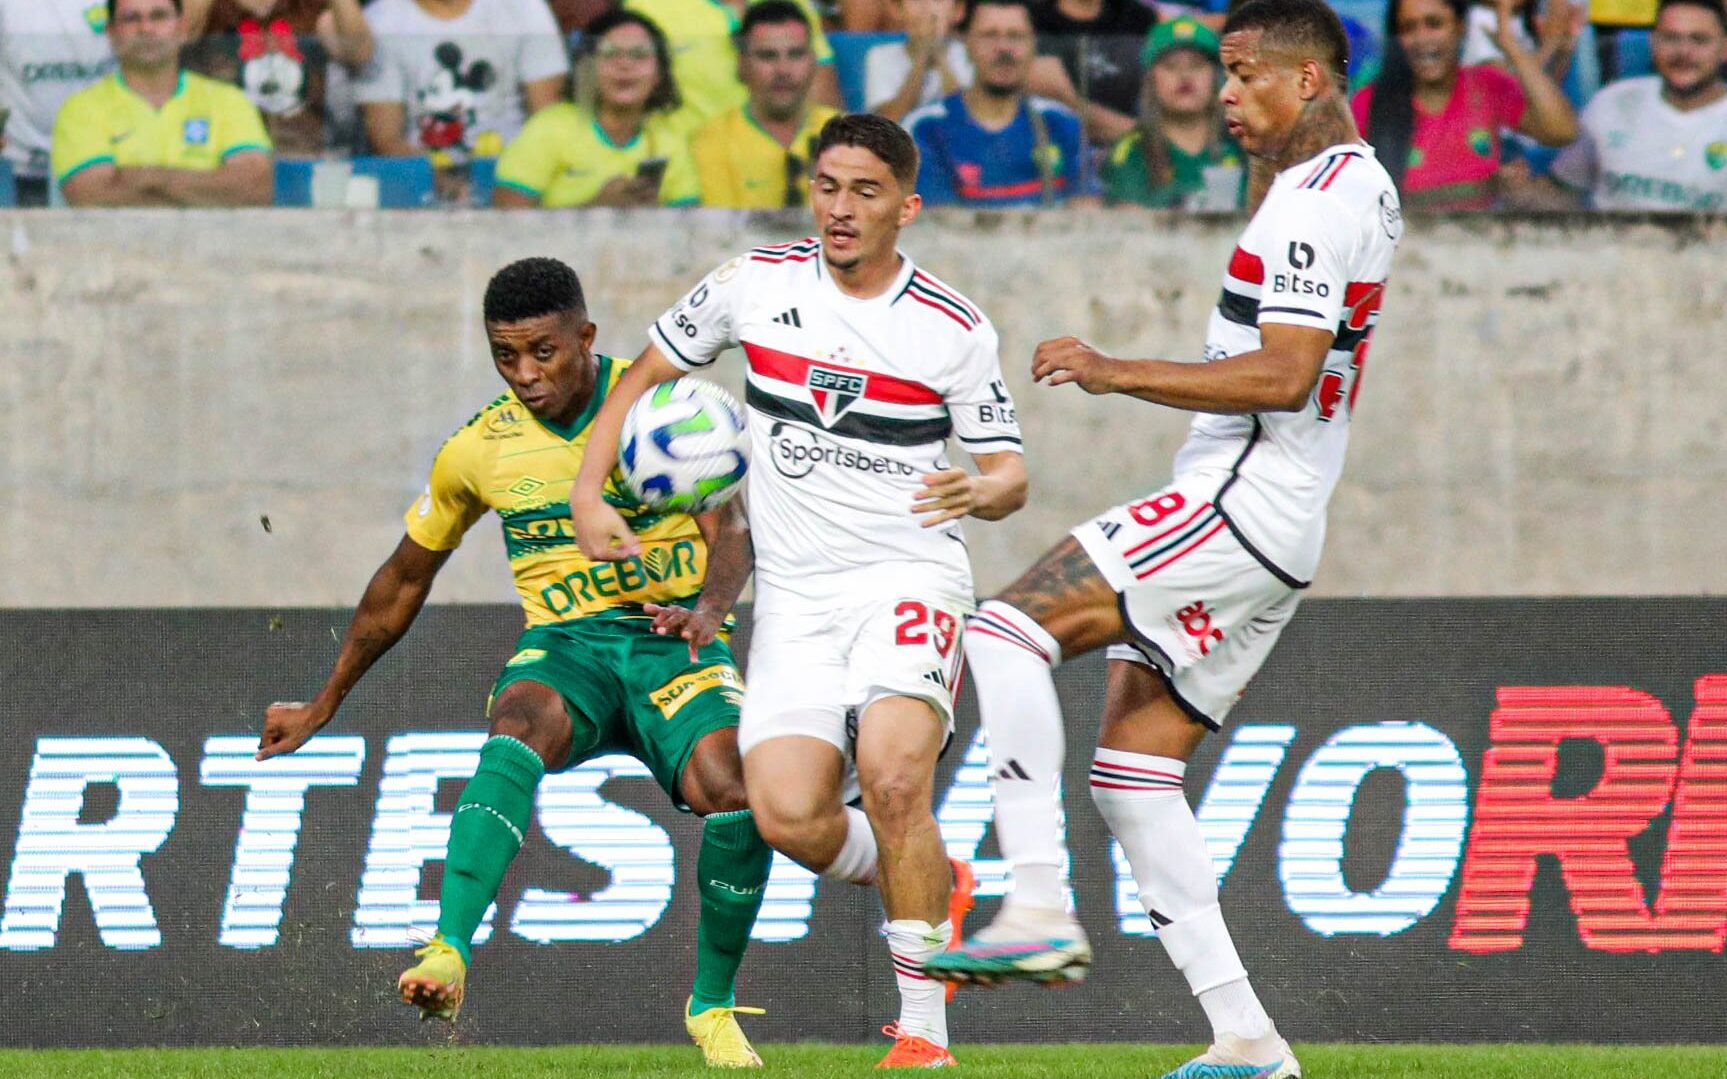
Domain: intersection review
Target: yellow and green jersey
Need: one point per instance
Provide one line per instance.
(742, 167)
(563, 157)
(506, 460)
(204, 124)
(704, 56)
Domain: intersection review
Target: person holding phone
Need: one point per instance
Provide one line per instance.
(617, 144)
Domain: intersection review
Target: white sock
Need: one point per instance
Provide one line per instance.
(1011, 658)
(857, 858)
(922, 999)
(1141, 798)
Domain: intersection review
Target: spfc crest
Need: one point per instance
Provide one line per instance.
(834, 392)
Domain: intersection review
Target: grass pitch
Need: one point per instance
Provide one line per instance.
(823, 1061)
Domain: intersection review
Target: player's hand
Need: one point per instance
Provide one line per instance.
(698, 627)
(947, 496)
(288, 725)
(602, 534)
(1068, 359)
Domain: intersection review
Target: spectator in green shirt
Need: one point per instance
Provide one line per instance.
(1178, 154)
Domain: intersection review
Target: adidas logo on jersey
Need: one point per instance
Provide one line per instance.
(789, 318)
(1012, 770)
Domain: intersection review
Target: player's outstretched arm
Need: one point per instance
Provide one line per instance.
(731, 560)
(997, 490)
(392, 601)
(600, 530)
(1277, 377)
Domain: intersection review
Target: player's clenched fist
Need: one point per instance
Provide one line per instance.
(288, 725)
(1068, 359)
(601, 532)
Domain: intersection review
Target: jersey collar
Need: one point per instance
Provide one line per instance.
(179, 87)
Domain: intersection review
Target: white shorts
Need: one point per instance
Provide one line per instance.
(813, 672)
(1203, 610)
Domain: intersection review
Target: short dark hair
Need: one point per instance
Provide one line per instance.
(1309, 28)
(773, 13)
(1717, 8)
(973, 5)
(877, 134)
(112, 4)
(531, 288)
(664, 96)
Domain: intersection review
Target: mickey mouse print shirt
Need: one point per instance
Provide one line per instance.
(461, 79)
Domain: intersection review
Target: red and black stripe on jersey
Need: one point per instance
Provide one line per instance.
(926, 290)
(1242, 285)
(797, 251)
(891, 411)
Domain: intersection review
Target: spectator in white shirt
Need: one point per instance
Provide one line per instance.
(1655, 143)
(927, 66)
(49, 50)
(457, 79)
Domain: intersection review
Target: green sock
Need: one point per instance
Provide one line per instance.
(485, 833)
(732, 871)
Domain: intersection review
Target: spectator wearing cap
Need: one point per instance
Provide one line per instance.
(153, 134)
(994, 144)
(703, 39)
(757, 156)
(457, 79)
(1179, 154)
(1655, 143)
(279, 52)
(49, 50)
(619, 143)
(927, 66)
(1437, 124)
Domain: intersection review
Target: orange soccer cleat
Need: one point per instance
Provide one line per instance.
(959, 903)
(911, 1051)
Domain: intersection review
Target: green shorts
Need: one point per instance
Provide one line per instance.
(628, 690)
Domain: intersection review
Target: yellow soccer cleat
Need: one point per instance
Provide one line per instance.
(721, 1040)
(435, 984)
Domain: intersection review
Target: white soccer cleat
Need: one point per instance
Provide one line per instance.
(1231, 1057)
(1022, 944)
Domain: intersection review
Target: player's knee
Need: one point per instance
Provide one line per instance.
(713, 780)
(534, 715)
(792, 828)
(896, 796)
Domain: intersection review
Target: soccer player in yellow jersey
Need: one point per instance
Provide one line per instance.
(617, 656)
(757, 156)
(152, 134)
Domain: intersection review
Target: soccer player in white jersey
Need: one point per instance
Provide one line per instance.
(860, 366)
(1190, 586)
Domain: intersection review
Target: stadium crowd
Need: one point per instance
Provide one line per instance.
(1519, 104)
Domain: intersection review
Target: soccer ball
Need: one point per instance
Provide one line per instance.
(683, 448)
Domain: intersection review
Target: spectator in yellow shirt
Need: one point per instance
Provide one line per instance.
(704, 56)
(154, 135)
(757, 155)
(617, 145)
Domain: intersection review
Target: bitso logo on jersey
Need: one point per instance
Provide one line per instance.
(834, 392)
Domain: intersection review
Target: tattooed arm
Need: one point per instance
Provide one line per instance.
(391, 603)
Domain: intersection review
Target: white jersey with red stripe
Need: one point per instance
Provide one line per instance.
(1316, 254)
(851, 403)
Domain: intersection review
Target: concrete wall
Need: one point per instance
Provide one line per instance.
(1544, 411)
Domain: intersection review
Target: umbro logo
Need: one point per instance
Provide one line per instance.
(1012, 770)
(789, 318)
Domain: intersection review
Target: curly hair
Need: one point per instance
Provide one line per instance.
(531, 288)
